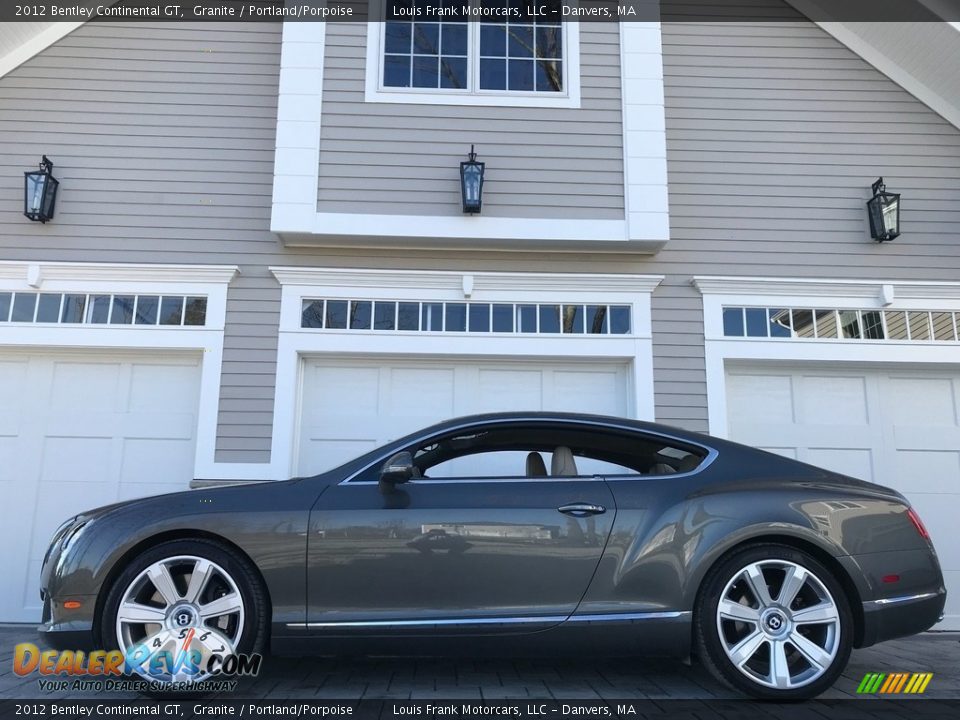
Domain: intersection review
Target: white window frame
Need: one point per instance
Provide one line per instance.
(295, 342)
(377, 92)
(644, 228)
(204, 341)
(721, 351)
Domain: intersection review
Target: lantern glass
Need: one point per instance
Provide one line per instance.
(40, 195)
(471, 185)
(884, 212)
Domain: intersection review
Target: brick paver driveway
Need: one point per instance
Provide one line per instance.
(426, 679)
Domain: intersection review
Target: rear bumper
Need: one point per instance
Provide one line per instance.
(900, 616)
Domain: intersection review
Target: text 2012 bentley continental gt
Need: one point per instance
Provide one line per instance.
(514, 533)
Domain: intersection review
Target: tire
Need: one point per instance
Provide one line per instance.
(167, 603)
(786, 639)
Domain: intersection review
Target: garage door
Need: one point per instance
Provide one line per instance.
(78, 431)
(899, 428)
(351, 406)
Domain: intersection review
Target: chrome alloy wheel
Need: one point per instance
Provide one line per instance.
(778, 624)
(181, 604)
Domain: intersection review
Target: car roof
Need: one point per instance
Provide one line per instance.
(589, 418)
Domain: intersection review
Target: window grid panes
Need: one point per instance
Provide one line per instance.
(95, 309)
(524, 55)
(513, 48)
(842, 324)
(466, 317)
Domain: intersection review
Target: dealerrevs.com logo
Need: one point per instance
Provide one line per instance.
(194, 659)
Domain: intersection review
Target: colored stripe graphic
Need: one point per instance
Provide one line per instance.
(900, 684)
(894, 683)
(891, 681)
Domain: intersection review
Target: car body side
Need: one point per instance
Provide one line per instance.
(668, 531)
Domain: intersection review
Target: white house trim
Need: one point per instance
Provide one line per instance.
(210, 281)
(376, 92)
(946, 107)
(374, 230)
(644, 132)
(295, 342)
(296, 171)
(643, 229)
(37, 44)
(813, 293)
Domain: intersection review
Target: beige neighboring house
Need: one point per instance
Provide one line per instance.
(259, 266)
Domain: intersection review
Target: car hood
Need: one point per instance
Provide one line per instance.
(203, 499)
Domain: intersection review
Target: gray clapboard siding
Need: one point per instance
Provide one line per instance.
(395, 158)
(774, 135)
(163, 137)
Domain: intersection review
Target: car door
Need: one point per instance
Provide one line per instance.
(465, 553)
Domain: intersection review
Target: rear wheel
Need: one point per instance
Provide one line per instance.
(180, 603)
(774, 623)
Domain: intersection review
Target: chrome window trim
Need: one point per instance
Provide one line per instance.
(711, 455)
(602, 617)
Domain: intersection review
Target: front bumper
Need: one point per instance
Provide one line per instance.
(68, 629)
(900, 616)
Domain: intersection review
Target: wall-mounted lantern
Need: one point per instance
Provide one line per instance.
(40, 192)
(471, 183)
(883, 209)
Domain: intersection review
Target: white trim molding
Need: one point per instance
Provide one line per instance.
(295, 342)
(643, 229)
(947, 107)
(720, 350)
(207, 280)
(296, 173)
(644, 132)
(376, 92)
(35, 45)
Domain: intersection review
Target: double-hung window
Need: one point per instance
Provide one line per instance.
(483, 52)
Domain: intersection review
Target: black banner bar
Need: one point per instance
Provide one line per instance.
(484, 709)
(476, 10)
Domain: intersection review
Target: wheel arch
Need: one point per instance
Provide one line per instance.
(167, 536)
(812, 548)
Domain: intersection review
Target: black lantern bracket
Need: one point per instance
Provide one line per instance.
(40, 192)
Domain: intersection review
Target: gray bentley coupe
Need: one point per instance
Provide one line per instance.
(513, 533)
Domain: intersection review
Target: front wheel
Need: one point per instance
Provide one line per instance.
(179, 604)
(774, 623)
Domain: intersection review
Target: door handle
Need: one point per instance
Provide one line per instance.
(581, 509)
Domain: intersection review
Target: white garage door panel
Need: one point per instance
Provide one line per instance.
(351, 406)
(897, 428)
(78, 430)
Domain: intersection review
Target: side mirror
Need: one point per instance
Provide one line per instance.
(398, 469)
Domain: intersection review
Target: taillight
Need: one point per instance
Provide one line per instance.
(918, 523)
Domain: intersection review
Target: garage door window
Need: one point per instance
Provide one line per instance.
(97, 309)
(841, 324)
(460, 317)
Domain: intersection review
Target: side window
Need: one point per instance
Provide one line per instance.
(504, 463)
(514, 463)
(545, 450)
